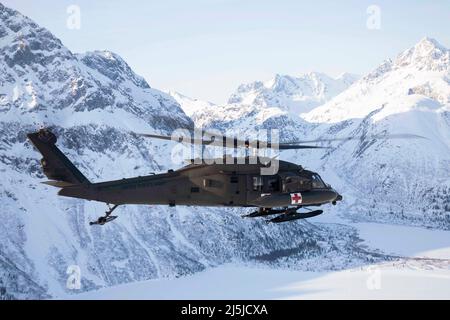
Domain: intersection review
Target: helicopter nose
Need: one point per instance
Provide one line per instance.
(338, 198)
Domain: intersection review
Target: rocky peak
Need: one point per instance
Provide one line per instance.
(41, 77)
(427, 54)
(112, 66)
(23, 42)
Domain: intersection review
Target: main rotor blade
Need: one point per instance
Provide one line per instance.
(223, 141)
(284, 146)
(235, 142)
(214, 139)
(379, 136)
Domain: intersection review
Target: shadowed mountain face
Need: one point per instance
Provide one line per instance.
(92, 100)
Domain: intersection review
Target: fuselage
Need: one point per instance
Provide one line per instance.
(240, 185)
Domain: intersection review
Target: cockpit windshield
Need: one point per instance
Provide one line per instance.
(317, 182)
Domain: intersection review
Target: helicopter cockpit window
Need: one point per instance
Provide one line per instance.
(317, 181)
(291, 184)
(257, 183)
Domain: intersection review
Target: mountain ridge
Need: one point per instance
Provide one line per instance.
(422, 70)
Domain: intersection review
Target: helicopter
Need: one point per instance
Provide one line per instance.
(224, 182)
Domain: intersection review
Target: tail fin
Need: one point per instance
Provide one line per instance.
(55, 164)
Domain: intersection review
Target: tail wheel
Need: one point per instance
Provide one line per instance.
(44, 162)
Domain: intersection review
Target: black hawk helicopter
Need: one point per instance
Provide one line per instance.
(235, 183)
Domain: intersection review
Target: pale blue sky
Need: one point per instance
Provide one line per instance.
(206, 48)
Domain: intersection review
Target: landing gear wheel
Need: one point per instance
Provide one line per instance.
(106, 218)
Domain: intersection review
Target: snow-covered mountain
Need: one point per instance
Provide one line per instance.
(190, 105)
(92, 100)
(276, 103)
(294, 94)
(245, 119)
(418, 77)
(407, 180)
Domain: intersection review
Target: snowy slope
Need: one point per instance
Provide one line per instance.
(190, 105)
(244, 283)
(402, 180)
(420, 271)
(91, 101)
(417, 78)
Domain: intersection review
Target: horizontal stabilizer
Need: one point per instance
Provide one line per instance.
(58, 184)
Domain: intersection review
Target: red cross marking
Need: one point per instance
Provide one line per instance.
(296, 198)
